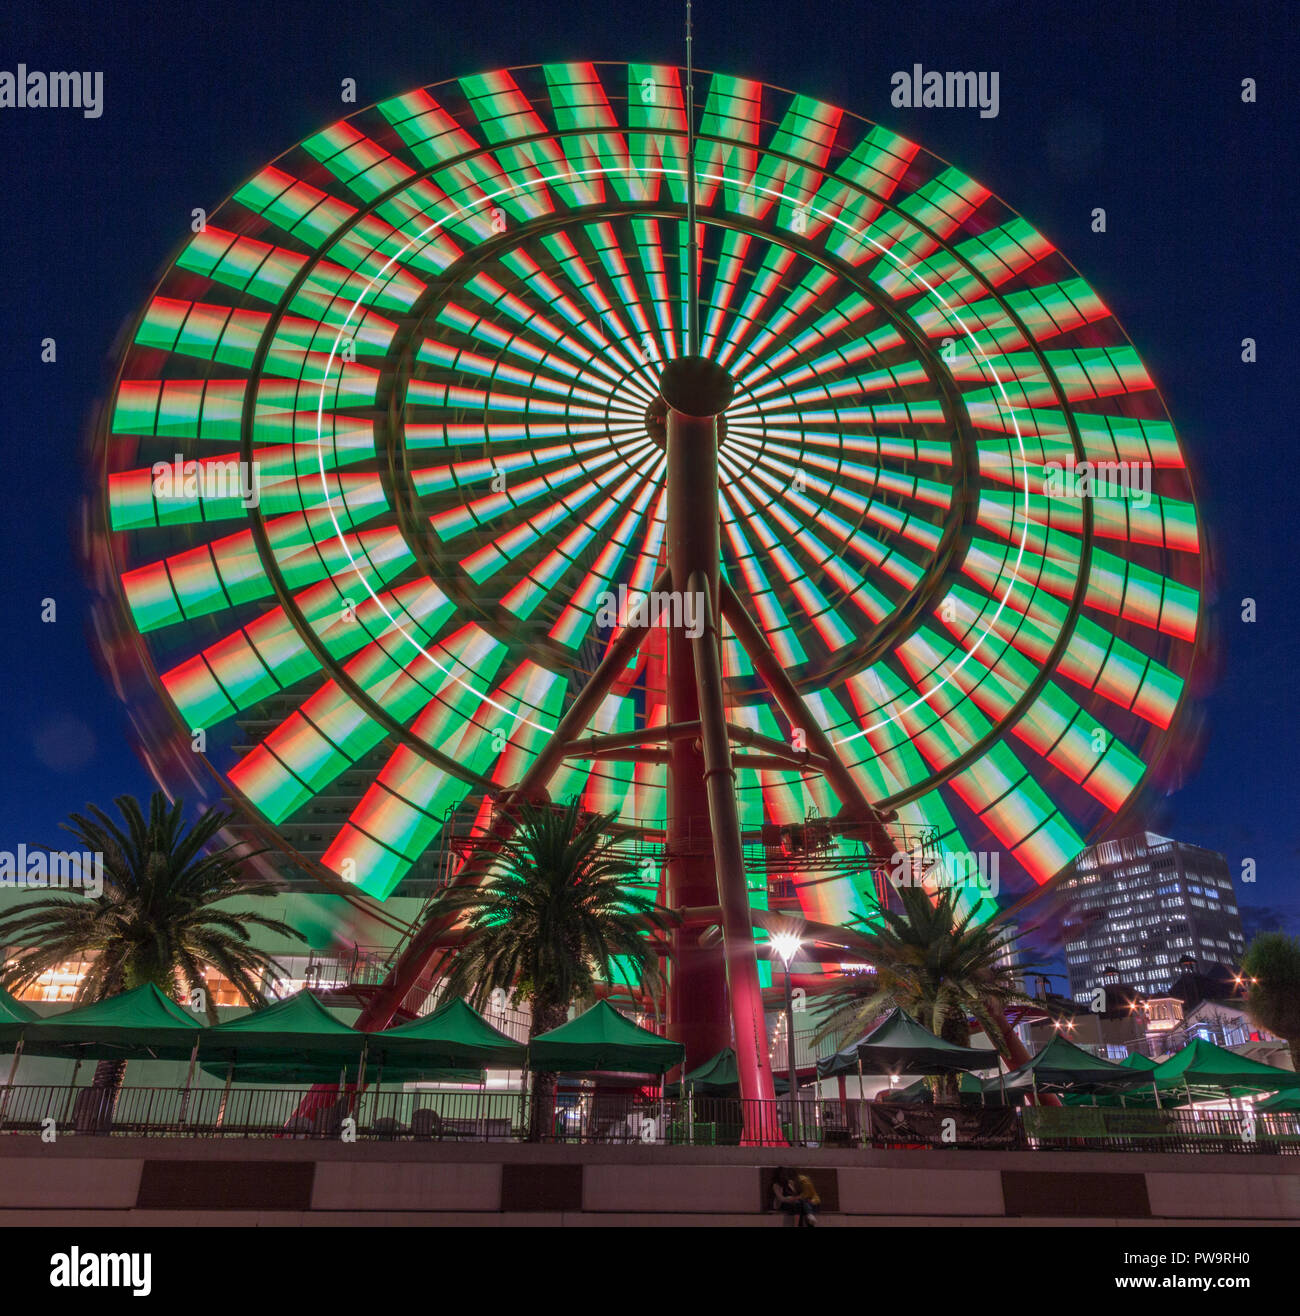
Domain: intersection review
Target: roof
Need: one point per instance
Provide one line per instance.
(603, 1040)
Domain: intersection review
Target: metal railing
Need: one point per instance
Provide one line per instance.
(598, 1118)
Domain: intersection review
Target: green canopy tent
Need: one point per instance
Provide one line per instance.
(1202, 1065)
(14, 1018)
(719, 1077)
(453, 1036)
(1062, 1064)
(139, 1024)
(603, 1040)
(298, 1028)
(453, 1044)
(142, 1024)
(296, 1038)
(1137, 1061)
(1284, 1103)
(900, 1045)
(1142, 1098)
(275, 1073)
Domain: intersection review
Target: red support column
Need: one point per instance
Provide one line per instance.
(697, 1013)
(705, 861)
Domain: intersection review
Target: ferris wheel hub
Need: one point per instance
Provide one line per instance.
(696, 386)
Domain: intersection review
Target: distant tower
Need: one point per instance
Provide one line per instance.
(1138, 906)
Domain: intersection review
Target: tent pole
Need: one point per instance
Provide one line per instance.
(13, 1068)
(225, 1092)
(361, 1075)
(72, 1083)
(862, 1113)
(9, 1083)
(189, 1081)
(523, 1095)
(1155, 1087)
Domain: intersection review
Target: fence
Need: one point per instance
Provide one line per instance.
(482, 1116)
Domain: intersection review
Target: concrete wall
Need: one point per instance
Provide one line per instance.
(192, 1181)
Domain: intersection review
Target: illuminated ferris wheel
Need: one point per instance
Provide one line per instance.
(423, 414)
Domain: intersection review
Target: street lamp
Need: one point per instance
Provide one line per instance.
(786, 944)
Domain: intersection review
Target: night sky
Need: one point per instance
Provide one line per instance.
(1135, 107)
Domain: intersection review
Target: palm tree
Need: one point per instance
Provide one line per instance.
(160, 918)
(1272, 966)
(940, 965)
(549, 921)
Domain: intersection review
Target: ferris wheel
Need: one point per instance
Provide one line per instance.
(389, 484)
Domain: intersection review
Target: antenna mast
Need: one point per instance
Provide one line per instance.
(692, 242)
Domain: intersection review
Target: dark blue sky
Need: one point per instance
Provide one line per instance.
(1135, 107)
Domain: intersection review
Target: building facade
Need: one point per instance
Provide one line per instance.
(1138, 909)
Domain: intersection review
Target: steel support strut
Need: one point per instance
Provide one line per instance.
(748, 1020)
(381, 1007)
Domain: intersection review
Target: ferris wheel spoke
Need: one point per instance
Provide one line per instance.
(546, 575)
(808, 597)
(824, 559)
(225, 575)
(764, 286)
(445, 357)
(780, 465)
(329, 733)
(402, 812)
(779, 323)
(268, 654)
(504, 547)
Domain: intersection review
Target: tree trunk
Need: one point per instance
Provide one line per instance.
(93, 1112)
(948, 1086)
(541, 1115)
